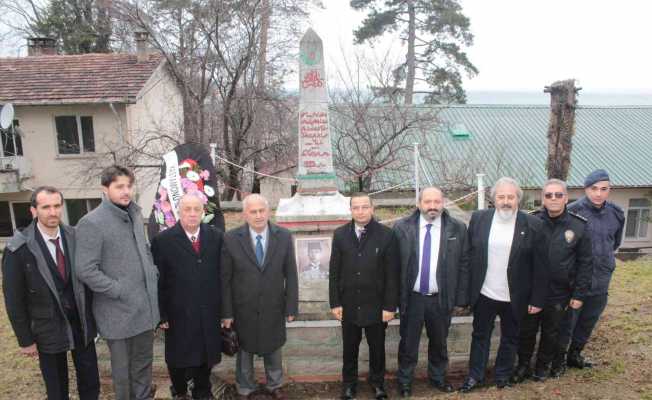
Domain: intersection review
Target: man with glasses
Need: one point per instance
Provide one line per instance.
(569, 275)
(605, 224)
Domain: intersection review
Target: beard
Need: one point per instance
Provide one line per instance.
(506, 214)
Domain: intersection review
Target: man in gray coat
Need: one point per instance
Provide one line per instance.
(114, 261)
(260, 293)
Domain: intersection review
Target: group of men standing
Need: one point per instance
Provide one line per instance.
(63, 286)
(545, 271)
(548, 271)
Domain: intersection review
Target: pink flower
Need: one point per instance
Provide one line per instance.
(166, 207)
(205, 175)
(188, 185)
(200, 195)
(163, 193)
(169, 219)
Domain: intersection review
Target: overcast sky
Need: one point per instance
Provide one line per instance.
(527, 44)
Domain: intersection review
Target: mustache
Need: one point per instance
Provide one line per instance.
(434, 209)
(506, 207)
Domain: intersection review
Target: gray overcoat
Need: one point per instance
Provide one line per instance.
(113, 259)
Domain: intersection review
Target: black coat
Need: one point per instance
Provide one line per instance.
(189, 295)
(259, 300)
(363, 275)
(569, 256)
(34, 299)
(527, 273)
(451, 253)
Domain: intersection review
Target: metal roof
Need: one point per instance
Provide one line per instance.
(512, 141)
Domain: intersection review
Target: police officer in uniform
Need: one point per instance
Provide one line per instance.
(569, 274)
(605, 224)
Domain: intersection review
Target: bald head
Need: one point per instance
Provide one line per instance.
(431, 203)
(255, 210)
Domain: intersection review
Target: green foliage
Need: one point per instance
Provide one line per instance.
(442, 32)
(80, 26)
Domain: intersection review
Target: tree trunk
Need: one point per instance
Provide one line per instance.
(561, 127)
(410, 59)
(102, 44)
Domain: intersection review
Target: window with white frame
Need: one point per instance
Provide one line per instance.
(75, 134)
(12, 144)
(638, 218)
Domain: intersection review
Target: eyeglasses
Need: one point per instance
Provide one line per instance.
(557, 195)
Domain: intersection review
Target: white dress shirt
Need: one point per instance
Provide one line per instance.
(501, 235)
(263, 241)
(435, 236)
(191, 235)
(51, 247)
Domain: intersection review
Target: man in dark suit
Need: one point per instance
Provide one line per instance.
(260, 292)
(431, 244)
(188, 259)
(363, 287)
(49, 308)
(505, 276)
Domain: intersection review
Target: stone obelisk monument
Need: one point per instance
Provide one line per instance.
(317, 206)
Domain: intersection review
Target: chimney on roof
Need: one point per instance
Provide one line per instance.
(41, 46)
(141, 46)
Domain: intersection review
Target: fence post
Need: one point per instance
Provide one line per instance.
(480, 191)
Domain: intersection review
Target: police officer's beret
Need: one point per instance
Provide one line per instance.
(596, 176)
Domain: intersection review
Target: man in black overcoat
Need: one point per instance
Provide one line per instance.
(188, 259)
(363, 287)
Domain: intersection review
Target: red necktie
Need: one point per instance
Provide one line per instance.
(195, 243)
(61, 260)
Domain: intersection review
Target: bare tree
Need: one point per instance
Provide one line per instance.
(372, 132)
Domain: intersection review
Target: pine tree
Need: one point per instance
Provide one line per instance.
(436, 32)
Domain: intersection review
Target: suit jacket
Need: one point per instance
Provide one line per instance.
(189, 295)
(33, 297)
(452, 239)
(527, 273)
(259, 299)
(363, 275)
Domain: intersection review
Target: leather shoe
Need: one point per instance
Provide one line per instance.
(541, 374)
(469, 384)
(576, 360)
(521, 373)
(503, 383)
(279, 394)
(348, 393)
(405, 391)
(442, 386)
(379, 392)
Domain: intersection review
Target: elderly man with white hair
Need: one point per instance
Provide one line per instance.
(506, 278)
(259, 293)
(188, 259)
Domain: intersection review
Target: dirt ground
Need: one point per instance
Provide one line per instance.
(621, 347)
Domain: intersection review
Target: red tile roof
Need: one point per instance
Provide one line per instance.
(74, 79)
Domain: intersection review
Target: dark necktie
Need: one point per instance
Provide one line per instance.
(260, 253)
(61, 260)
(195, 243)
(424, 285)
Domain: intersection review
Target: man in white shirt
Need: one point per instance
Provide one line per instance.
(504, 277)
(429, 281)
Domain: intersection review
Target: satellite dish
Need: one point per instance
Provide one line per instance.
(7, 116)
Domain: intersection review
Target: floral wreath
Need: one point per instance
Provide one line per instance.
(194, 180)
